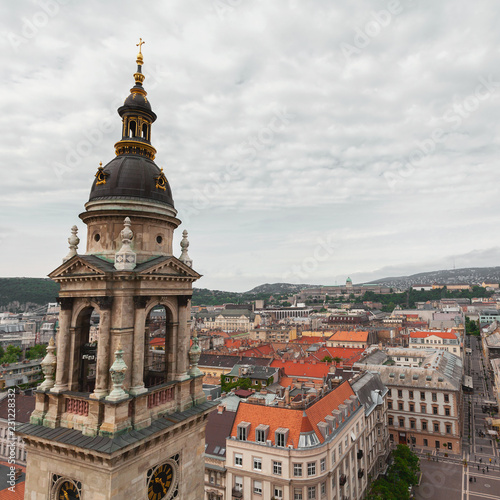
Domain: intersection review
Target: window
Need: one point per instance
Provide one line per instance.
(238, 483)
(447, 412)
(333, 457)
(391, 420)
(448, 429)
(412, 407)
(434, 410)
(297, 470)
(238, 460)
(424, 425)
(257, 487)
(322, 465)
(281, 438)
(423, 408)
(340, 450)
(401, 422)
(260, 436)
(410, 394)
(323, 489)
(389, 392)
(277, 468)
(311, 492)
(426, 443)
(278, 492)
(400, 406)
(311, 468)
(412, 424)
(422, 396)
(243, 428)
(400, 393)
(297, 494)
(434, 397)
(257, 463)
(389, 405)
(436, 427)
(446, 398)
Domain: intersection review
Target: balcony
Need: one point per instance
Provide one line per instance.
(237, 493)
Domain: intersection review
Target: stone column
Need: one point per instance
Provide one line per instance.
(183, 337)
(137, 383)
(63, 340)
(103, 348)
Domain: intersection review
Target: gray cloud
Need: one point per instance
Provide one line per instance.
(315, 143)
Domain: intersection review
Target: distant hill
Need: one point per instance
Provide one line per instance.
(279, 288)
(18, 293)
(469, 275)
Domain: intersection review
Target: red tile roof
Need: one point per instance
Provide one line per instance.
(18, 493)
(296, 420)
(349, 355)
(311, 340)
(425, 334)
(307, 369)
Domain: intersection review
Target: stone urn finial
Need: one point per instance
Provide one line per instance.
(194, 358)
(48, 367)
(125, 258)
(184, 253)
(117, 372)
(73, 241)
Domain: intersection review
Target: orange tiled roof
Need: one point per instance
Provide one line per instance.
(296, 420)
(429, 333)
(311, 340)
(350, 336)
(294, 369)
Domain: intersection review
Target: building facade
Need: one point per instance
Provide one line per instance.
(100, 430)
(309, 447)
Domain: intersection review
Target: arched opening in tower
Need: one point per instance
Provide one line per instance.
(132, 128)
(145, 132)
(84, 360)
(159, 358)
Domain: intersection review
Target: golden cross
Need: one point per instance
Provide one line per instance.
(140, 45)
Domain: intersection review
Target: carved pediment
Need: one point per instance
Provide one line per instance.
(77, 266)
(168, 267)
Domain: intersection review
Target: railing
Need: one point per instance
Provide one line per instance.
(237, 493)
(160, 397)
(77, 406)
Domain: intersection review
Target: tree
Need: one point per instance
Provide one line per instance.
(37, 351)
(12, 355)
(327, 359)
(402, 474)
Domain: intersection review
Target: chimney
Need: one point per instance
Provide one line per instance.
(220, 409)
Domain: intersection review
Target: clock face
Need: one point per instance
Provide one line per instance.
(68, 491)
(160, 482)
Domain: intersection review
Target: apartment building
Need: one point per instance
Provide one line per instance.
(359, 339)
(425, 395)
(436, 340)
(312, 446)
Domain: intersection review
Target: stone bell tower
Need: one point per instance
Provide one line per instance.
(115, 418)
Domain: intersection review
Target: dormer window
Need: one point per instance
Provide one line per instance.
(281, 437)
(243, 431)
(261, 433)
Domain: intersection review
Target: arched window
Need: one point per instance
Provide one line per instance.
(158, 365)
(145, 131)
(85, 353)
(132, 128)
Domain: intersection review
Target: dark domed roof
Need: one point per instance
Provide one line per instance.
(132, 176)
(137, 100)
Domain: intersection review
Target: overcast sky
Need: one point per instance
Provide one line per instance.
(304, 141)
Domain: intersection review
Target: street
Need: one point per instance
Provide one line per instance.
(476, 474)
